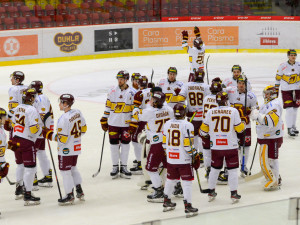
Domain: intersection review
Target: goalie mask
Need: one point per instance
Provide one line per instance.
(179, 111)
(222, 98)
(269, 93)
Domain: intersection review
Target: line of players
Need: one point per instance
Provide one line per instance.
(130, 110)
(30, 121)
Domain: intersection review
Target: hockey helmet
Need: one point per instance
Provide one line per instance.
(222, 98)
(135, 76)
(3, 113)
(18, 75)
(37, 85)
(215, 87)
(291, 51)
(68, 98)
(179, 111)
(143, 81)
(198, 43)
(158, 99)
(28, 95)
(269, 93)
(172, 70)
(236, 67)
(242, 78)
(155, 89)
(199, 75)
(123, 74)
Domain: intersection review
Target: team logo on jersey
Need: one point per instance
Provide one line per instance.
(68, 42)
(221, 142)
(65, 151)
(247, 138)
(277, 132)
(126, 134)
(155, 138)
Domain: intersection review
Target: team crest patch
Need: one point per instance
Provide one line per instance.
(66, 151)
(155, 138)
(10, 98)
(277, 132)
(59, 129)
(126, 134)
(43, 109)
(247, 139)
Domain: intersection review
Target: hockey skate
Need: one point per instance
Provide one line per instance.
(212, 195)
(223, 178)
(115, 171)
(46, 181)
(235, 197)
(35, 186)
(30, 199)
(146, 186)
(189, 210)
(19, 191)
(79, 193)
(124, 173)
(168, 205)
(291, 133)
(68, 200)
(157, 196)
(137, 168)
(178, 192)
(295, 130)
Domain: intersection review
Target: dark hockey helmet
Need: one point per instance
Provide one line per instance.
(236, 67)
(155, 89)
(37, 85)
(199, 75)
(68, 98)
(143, 81)
(18, 75)
(291, 51)
(179, 111)
(198, 43)
(123, 74)
(158, 99)
(172, 70)
(135, 76)
(3, 113)
(28, 95)
(215, 87)
(222, 98)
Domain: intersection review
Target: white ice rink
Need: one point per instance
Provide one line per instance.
(113, 202)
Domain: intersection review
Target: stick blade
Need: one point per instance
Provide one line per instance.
(95, 174)
(253, 177)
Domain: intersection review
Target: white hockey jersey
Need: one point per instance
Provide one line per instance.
(196, 56)
(2, 144)
(155, 119)
(273, 124)
(222, 123)
(70, 127)
(141, 98)
(177, 141)
(168, 89)
(26, 122)
(288, 76)
(209, 102)
(119, 106)
(194, 93)
(15, 97)
(231, 82)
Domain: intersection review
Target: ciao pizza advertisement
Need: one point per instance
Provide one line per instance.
(25, 45)
(172, 37)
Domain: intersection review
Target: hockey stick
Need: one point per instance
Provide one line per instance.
(245, 112)
(203, 191)
(207, 69)
(249, 172)
(10, 183)
(152, 75)
(95, 174)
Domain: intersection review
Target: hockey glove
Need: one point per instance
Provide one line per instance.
(217, 79)
(151, 85)
(196, 162)
(132, 127)
(185, 35)
(13, 145)
(196, 31)
(47, 133)
(7, 125)
(3, 169)
(104, 124)
(177, 91)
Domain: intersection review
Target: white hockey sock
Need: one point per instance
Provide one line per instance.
(20, 173)
(169, 187)
(187, 190)
(289, 117)
(274, 163)
(115, 152)
(67, 180)
(44, 161)
(295, 117)
(76, 175)
(233, 179)
(155, 179)
(124, 153)
(29, 174)
(207, 157)
(213, 178)
(137, 150)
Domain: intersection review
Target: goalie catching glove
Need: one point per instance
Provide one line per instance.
(13, 145)
(3, 169)
(104, 124)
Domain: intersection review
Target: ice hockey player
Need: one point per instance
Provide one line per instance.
(287, 78)
(236, 97)
(170, 86)
(116, 118)
(70, 128)
(27, 125)
(156, 116)
(196, 53)
(141, 99)
(209, 102)
(43, 105)
(180, 159)
(222, 123)
(236, 73)
(135, 77)
(269, 135)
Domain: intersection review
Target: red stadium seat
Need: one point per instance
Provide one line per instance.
(18, 4)
(71, 20)
(73, 9)
(183, 12)
(9, 23)
(47, 21)
(26, 12)
(38, 11)
(34, 22)
(95, 18)
(62, 9)
(118, 17)
(130, 17)
(85, 8)
(50, 11)
(3, 13)
(141, 5)
(13, 11)
(83, 19)
(96, 6)
(59, 21)
(205, 11)
(22, 22)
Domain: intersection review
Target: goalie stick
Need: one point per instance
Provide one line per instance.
(253, 177)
